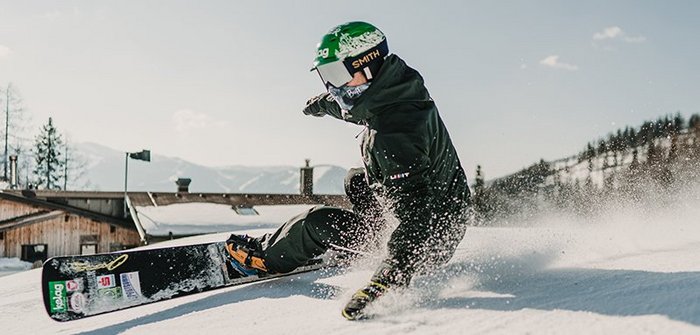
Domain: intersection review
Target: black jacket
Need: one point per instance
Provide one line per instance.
(407, 151)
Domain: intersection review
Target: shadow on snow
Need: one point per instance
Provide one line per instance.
(302, 284)
(527, 283)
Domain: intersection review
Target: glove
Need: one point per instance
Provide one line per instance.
(313, 105)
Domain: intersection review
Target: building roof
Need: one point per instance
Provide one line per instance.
(164, 214)
(167, 198)
(144, 199)
(52, 209)
(204, 218)
(27, 219)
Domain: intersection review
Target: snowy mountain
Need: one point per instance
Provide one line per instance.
(105, 170)
(632, 271)
(648, 164)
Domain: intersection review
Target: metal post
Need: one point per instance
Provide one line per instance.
(144, 155)
(48, 157)
(65, 169)
(7, 127)
(126, 181)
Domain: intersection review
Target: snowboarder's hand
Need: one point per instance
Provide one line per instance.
(313, 107)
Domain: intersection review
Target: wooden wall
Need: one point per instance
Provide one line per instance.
(62, 234)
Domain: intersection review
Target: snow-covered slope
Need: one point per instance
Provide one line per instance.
(628, 271)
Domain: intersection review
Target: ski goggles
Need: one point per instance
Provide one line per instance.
(339, 73)
(334, 74)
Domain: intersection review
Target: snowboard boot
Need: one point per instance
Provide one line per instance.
(245, 256)
(354, 310)
(388, 275)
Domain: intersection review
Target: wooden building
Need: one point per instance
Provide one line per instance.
(39, 224)
(35, 228)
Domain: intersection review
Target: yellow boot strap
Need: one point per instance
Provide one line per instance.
(246, 259)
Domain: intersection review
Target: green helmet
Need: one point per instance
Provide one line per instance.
(349, 48)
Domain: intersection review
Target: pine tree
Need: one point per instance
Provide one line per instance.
(618, 146)
(480, 198)
(602, 147)
(590, 152)
(656, 165)
(678, 123)
(660, 127)
(694, 130)
(694, 121)
(634, 165)
(645, 135)
(478, 180)
(654, 156)
(632, 183)
(632, 139)
(673, 151)
(49, 165)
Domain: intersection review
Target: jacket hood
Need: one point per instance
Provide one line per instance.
(396, 83)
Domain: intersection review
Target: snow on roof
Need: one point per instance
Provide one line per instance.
(203, 218)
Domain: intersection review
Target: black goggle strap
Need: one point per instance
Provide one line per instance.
(368, 61)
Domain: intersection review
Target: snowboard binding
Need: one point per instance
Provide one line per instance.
(245, 256)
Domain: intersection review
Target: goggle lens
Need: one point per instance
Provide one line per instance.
(334, 74)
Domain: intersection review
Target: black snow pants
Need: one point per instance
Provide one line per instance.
(313, 232)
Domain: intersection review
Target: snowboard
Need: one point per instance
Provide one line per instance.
(75, 287)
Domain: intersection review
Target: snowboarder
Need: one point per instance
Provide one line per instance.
(411, 172)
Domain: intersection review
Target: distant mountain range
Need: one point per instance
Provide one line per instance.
(105, 171)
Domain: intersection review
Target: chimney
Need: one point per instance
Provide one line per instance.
(183, 185)
(13, 172)
(306, 183)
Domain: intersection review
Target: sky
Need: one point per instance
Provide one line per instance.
(223, 83)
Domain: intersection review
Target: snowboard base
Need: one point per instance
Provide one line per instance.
(75, 287)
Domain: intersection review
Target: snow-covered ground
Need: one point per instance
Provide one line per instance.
(631, 271)
(9, 266)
